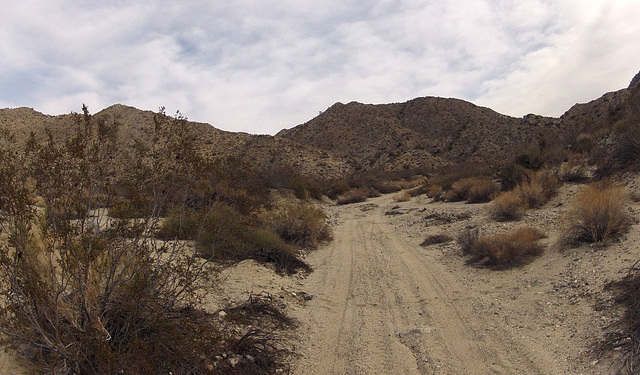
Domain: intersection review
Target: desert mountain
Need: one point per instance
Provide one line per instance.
(428, 132)
(421, 133)
(416, 136)
(260, 151)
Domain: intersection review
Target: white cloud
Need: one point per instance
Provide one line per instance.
(258, 66)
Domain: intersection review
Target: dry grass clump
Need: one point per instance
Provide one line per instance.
(354, 196)
(508, 206)
(387, 187)
(481, 191)
(574, 170)
(403, 196)
(502, 250)
(471, 189)
(435, 192)
(597, 214)
(533, 192)
(436, 239)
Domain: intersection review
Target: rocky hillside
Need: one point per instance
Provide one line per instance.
(421, 133)
(425, 133)
(261, 151)
(416, 136)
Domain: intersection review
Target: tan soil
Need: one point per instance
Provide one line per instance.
(382, 304)
(385, 305)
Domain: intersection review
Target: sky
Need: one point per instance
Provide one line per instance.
(260, 66)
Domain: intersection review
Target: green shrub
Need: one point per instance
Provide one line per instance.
(597, 214)
(87, 295)
(301, 225)
(224, 234)
(181, 224)
(436, 239)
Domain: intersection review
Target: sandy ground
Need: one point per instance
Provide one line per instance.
(379, 303)
(385, 305)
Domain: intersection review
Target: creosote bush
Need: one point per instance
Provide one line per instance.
(502, 250)
(597, 214)
(221, 233)
(300, 225)
(85, 293)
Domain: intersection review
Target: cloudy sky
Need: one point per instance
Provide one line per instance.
(260, 66)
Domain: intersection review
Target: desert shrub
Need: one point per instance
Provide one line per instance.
(473, 189)
(546, 150)
(315, 190)
(511, 175)
(412, 183)
(436, 239)
(459, 190)
(506, 250)
(508, 206)
(402, 196)
(435, 192)
(387, 187)
(467, 239)
(222, 233)
(624, 334)
(418, 190)
(181, 224)
(336, 188)
(532, 194)
(354, 196)
(482, 191)
(298, 187)
(623, 154)
(447, 176)
(301, 225)
(597, 214)
(91, 295)
(266, 246)
(139, 206)
(574, 170)
(374, 193)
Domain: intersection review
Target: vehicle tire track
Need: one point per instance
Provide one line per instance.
(383, 306)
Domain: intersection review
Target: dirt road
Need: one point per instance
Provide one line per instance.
(384, 306)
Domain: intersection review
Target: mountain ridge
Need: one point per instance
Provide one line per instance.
(416, 136)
